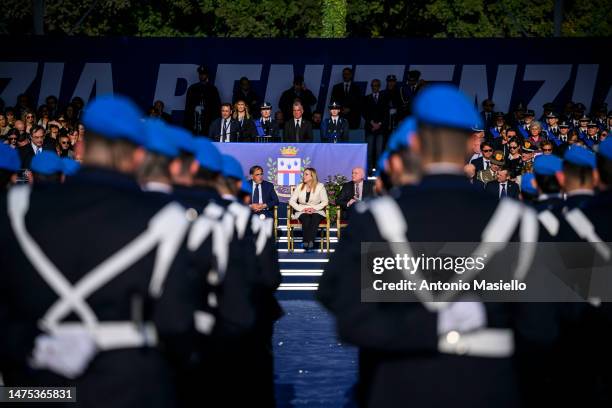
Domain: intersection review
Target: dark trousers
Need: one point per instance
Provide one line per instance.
(376, 145)
(310, 223)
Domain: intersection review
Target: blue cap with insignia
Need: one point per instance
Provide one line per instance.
(402, 135)
(158, 139)
(47, 163)
(208, 155)
(181, 138)
(547, 165)
(334, 105)
(445, 105)
(265, 105)
(232, 167)
(115, 117)
(605, 148)
(527, 184)
(9, 158)
(246, 186)
(71, 166)
(580, 156)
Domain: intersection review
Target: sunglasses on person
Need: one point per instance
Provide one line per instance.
(29, 117)
(64, 143)
(547, 149)
(513, 147)
(487, 150)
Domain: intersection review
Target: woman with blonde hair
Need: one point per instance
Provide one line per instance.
(246, 127)
(29, 118)
(309, 200)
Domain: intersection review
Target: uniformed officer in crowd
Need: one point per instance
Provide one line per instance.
(10, 165)
(114, 315)
(490, 173)
(392, 96)
(527, 157)
(410, 353)
(407, 93)
(579, 176)
(335, 129)
(202, 104)
(266, 127)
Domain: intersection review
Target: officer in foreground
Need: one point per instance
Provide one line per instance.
(113, 315)
(424, 354)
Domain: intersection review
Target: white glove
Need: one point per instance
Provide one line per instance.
(65, 353)
(462, 317)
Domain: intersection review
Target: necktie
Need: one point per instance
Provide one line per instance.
(335, 122)
(503, 191)
(376, 98)
(357, 195)
(256, 194)
(346, 88)
(486, 164)
(297, 130)
(224, 129)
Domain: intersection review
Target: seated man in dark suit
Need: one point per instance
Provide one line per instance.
(503, 187)
(225, 128)
(297, 129)
(483, 162)
(263, 198)
(355, 190)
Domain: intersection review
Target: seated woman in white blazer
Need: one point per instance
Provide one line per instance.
(309, 200)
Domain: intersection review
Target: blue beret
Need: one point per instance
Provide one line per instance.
(158, 139)
(71, 166)
(181, 138)
(580, 156)
(605, 148)
(401, 137)
(9, 159)
(232, 167)
(115, 117)
(445, 105)
(547, 165)
(247, 186)
(47, 163)
(208, 155)
(527, 184)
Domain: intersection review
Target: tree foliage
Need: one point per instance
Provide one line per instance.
(310, 18)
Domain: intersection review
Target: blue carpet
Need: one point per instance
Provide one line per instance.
(312, 367)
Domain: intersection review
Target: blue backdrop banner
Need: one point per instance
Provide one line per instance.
(283, 163)
(531, 70)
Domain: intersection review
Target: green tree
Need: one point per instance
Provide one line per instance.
(334, 19)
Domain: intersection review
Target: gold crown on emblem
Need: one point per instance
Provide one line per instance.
(499, 156)
(289, 151)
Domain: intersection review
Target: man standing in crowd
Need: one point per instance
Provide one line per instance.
(403, 341)
(354, 191)
(297, 93)
(375, 115)
(487, 113)
(118, 308)
(335, 129)
(245, 93)
(298, 129)
(263, 198)
(349, 96)
(224, 129)
(202, 104)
